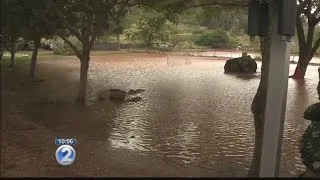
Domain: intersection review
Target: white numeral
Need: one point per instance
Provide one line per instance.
(67, 157)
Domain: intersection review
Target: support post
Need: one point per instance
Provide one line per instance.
(276, 99)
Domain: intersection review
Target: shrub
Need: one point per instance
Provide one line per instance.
(62, 48)
(215, 39)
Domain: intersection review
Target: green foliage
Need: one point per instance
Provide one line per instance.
(152, 27)
(61, 48)
(85, 20)
(34, 25)
(215, 39)
(12, 21)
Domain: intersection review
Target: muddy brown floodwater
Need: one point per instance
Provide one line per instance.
(192, 116)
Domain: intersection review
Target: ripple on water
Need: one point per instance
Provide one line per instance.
(196, 115)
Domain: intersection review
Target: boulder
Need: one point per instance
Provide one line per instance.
(243, 64)
(312, 113)
(132, 91)
(117, 95)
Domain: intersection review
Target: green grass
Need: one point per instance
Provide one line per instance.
(20, 60)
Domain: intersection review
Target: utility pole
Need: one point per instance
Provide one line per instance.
(277, 86)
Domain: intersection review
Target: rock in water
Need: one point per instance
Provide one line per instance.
(135, 99)
(132, 91)
(243, 64)
(117, 95)
(312, 113)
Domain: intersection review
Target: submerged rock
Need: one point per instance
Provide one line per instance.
(132, 91)
(117, 95)
(243, 64)
(120, 95)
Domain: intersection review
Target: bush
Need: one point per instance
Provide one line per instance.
(62, 48)
(215, 39)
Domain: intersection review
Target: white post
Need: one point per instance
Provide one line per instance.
(276, 100)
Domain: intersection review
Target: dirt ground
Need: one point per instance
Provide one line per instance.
(27, 144)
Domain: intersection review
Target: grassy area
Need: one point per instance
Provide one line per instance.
(20, 59)
(23, 57)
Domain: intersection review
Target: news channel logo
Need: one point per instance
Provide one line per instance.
(65, 154)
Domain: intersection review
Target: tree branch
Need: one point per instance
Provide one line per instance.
(76, 51)
(63, 19)
(316, 12)
(310, 35)
(300, 31)
(301, 3)
(45, 19)
(92, 39)
(317, 21)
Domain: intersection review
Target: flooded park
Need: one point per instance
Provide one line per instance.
(191, 116)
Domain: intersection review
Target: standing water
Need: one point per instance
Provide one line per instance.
(192, 115)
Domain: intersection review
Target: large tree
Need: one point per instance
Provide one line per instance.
(309, 12)
(35, 27)
(11, 27)
(150, 27)
(85, 20)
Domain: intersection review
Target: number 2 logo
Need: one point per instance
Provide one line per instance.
(65, 155)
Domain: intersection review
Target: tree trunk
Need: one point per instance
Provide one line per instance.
(258, 107)
(118, 39)
(306, 47)
(1, 55)
(148, 48)
(34, 57)
(83, 78)
(13, 59)
(301, 67)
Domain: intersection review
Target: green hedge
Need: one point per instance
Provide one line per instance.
(215, 39)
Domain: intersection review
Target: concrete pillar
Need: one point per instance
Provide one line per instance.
(276, 100)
